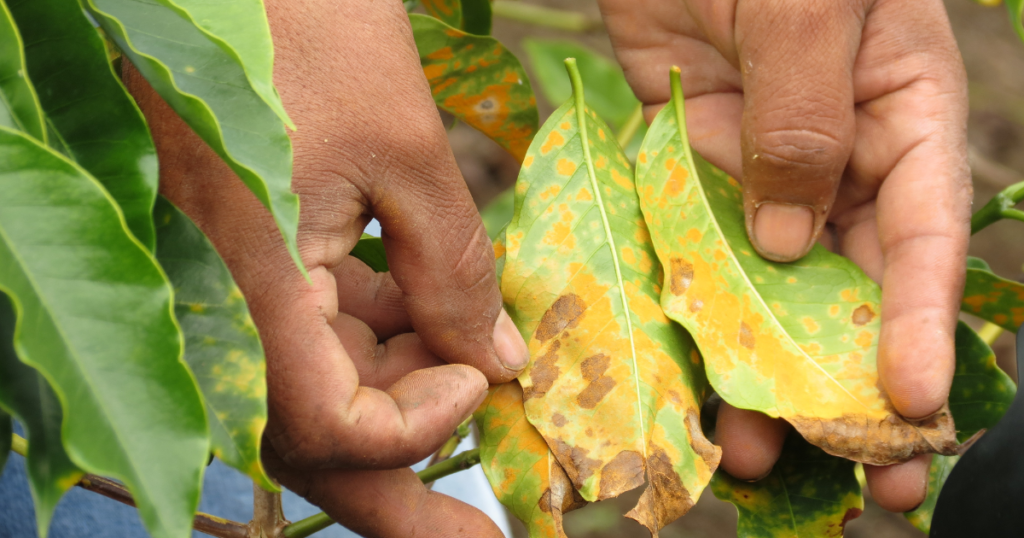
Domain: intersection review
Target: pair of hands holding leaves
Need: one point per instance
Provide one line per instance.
(843, 117)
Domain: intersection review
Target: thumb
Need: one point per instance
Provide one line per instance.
(798, 117)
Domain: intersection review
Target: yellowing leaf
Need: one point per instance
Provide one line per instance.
(614, 387)
(479, 81)
(798, 340)
(519, 465)
(991, 297)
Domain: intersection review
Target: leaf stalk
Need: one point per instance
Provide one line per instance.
(544, 16)
(1000, 207)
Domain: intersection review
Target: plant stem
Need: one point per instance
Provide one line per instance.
(204, 523)
(630, 126)
(267, 514)
(319, 522)
(1000, 207)
(544, 16)
(990, 332)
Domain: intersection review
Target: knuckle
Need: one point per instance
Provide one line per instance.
(800, 148)
(475, 266)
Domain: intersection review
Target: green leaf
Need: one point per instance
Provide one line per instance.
(522, 471)
(1016, 9)
(95, 318)
(240, 29)
(20, 108)
(479, 81)
(608, 93)
(211, 92)
(498, 213)
(222, 346)
(614, 387)
(980, 395)
(370, 250)
(991, 297)
(91, 115)
(807, 493)
(471, 16)
(25, 394)
(796, 341)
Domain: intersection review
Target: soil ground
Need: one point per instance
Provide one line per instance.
(995, 64)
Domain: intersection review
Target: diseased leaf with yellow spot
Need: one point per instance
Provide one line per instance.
(797, 340)
(519, 465)
(222, 346)
(980, 395)
(992, 297)
(808, 493)
(613, 386)
(471, 16)
(479, 81)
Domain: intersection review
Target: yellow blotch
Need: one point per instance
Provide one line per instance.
(601, 135)
(759, 279)
(628, 256)
(528, 161)
(197, 308)
(670, 163)
(719, 255)
(566, 167)
(584, 195)
(833, 310)
(499, 249)
(811, 325)
(645, 308)
(550, 192)
(642, 157)
(553, 141)
(693, 235)
(849, 295)
(976, 302)
(565, 126)
(791, 280)
(622, 180)
(434, 71)
(864, 339)
(676, 181)
(601, 163)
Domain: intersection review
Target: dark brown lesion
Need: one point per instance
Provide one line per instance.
(623, 473)
(543, 373)
(862, 315)
(891, 440)
(682, 275)
(598, 384)
(566, 313)
(708, 451)
(666, 498)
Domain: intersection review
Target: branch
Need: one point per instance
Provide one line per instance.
(448, 448)
(204, 523)
(1001, 206)
(319, 522)
(544, 16)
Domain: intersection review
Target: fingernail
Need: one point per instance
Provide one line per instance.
(509, 344)
(783, 232)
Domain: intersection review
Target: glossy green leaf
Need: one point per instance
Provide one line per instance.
(523, 472)
(797, 340)
(95, 318)
(91, 115)
(240, 29)
(1016, 9)
(980, 395)
(471, 16)
(608, 93)
(613, 386)
(25, 394)
(991, 297)
(19, 105)
(211, 92)
(222, 346)
(370, 250)
(479, 81)
(498, 213)
(808, 493)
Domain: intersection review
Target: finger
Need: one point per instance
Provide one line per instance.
(912, 141)
(798, 119)
(382, 365)
(902, 487)
(385, 504)
(751, 442)
(372, 297)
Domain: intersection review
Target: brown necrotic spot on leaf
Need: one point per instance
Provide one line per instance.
(666, 498)
(682, 276)
(580, 467)
(746, 336)
(710, 453)
(862, 315)
(558, 419)
(893, 439)
(599, 385)
(623, 473)
(565, 314)
(543, 373)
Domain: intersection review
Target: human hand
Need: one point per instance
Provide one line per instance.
(346, 410)
(851, 113)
